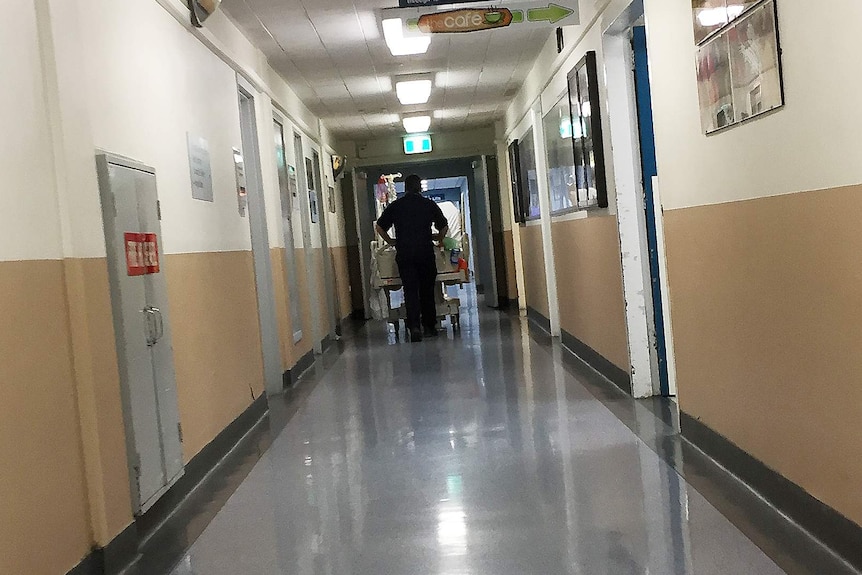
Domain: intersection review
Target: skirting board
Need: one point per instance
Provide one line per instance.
(291, 376)
(539, 319)
(837, 532)
(123, 550)
(598, 362)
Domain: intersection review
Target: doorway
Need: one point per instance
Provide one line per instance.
(139, 301)
(307, 202)
(260, 245)
(324, 191)
(481, 184)
(641, 223)
(288, 191)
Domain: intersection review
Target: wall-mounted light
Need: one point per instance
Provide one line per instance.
(413, 91)
(401, 45)
(417, 124)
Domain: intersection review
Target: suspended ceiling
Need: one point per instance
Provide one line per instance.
(333, 54)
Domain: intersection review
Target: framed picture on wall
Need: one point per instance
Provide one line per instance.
(312, 206)
(755, 63)
(309, 174)
(331, 200)
(739, 70)
(515, 174)
(715, 84)
(587, 138)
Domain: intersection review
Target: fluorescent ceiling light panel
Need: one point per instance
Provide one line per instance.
(393, 31)
(417, 124)
(413, 92)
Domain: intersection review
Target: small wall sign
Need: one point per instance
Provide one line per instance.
(142, 253)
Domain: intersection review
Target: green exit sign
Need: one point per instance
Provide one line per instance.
(417, 144)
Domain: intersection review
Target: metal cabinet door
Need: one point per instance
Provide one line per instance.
(161, 350)
(139, 302)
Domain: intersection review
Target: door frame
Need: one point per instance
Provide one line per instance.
(307, 240)
(259, 231)
(292, 268)
(631, 210)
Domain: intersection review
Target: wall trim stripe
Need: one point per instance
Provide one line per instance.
(834, 530)
(597, 361)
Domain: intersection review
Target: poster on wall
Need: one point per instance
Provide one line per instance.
(312, 205)
(241, 190)
(309, 174)
(755, 63)
(200, 169)
(739, 70)
(714, 84)
(331, 200)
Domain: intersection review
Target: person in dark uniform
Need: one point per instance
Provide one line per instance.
(412, 216)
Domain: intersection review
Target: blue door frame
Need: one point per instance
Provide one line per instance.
(650, 169)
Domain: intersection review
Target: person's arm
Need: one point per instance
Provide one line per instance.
(384, 224)
(441, 223)
(385, 235)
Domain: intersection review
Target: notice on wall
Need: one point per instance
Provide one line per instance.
(142, 253)
(241, 190)
(200, 169)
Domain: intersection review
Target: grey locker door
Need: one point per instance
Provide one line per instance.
(162, 349)
(142, 329)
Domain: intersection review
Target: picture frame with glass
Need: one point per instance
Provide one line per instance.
(587, 137)
(739, 72)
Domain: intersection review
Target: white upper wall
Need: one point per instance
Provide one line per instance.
(813, 143)
(131, 78)
(29, 217)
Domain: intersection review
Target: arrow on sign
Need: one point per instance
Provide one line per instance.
(553, 14)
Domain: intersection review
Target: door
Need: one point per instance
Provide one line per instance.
(483, 232)
(267, 317)
(142, 327)
(650, 170)
(328, 286)
(289, 189)
(495, 214)
(305, 190)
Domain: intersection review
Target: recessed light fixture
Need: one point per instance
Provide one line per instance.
(417, 124)
(399, 45)
(413, 91)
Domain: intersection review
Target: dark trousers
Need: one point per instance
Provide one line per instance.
(418, 277)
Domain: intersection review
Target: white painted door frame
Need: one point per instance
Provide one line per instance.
(634, 244)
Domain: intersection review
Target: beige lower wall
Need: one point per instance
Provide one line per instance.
(767, 327)
(535, 282)
(590, 285)
(99, 397)
(44, 523)
(217, 346)
(340, 259)
(511, 273)
(306, 344)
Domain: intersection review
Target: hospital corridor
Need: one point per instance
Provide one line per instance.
(430, 287)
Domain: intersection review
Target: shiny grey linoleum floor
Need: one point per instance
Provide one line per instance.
(492, 452)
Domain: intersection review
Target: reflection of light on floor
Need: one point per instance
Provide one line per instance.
(452, 530)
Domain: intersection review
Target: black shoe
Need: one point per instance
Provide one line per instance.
(415, 335)
(431, 332)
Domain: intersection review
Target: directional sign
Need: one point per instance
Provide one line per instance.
(420, 3)
(431, 20)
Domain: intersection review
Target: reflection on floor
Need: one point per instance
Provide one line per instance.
(480, 453)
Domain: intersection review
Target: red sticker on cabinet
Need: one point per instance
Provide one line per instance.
(142, 254)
